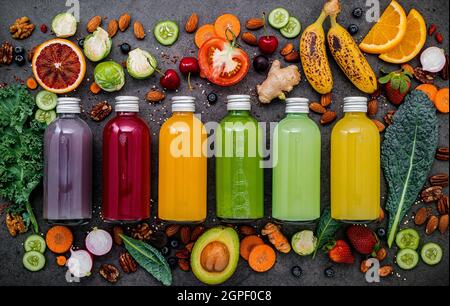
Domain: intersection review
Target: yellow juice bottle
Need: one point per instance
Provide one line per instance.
(355, 165)
(182, 165)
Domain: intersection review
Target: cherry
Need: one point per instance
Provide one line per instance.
(268, 44)
(188, 66)
(170, 79)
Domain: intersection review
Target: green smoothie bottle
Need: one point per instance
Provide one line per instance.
(296, 165)
(239, 175)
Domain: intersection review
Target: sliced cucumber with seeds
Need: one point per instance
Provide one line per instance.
(46, 100)
(431, 253)
(33, 261)
(292, 29)
(278, 18)
(166, 32)
(407, 239)
(45, 116)
(34, 243)
(407, 259)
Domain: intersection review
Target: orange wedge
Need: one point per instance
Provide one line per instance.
(412, 42)
(388, 32)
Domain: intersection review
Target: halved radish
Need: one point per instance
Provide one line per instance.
(80, 263)
(98, 242)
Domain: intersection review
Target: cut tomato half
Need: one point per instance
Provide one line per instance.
(222, 63)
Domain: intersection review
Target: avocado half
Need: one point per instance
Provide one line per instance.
(215, 255)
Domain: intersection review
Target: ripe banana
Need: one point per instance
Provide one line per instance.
(350, 58)
(314, 57)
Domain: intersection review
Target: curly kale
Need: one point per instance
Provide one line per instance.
(21, 147)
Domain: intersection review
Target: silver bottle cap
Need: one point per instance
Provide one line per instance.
(183, 104)
(297, 105)
(355, 105)
(68, 106)
(238, 102)
(127, 104)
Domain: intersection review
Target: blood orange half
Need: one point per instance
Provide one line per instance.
(59, 65)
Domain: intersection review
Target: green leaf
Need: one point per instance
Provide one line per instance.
(384, 79)
(395, 82)
(149, 258)
(407, 154)
(404, 86)
(326, 229)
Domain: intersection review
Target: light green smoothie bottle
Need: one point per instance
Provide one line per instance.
(296, 165)
(239, 175)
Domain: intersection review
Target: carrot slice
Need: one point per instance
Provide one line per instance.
(204, 33)
(230, 22)
(262, 258)
(31, 83)
(441, 100)
(429, 89)
(61, 260)
(247, 244)
(59, 239)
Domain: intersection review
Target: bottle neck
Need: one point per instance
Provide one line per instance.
(126, 114)
(297, 115)
(68, 115)
(184, 114)
(355, 115)
(243, 113)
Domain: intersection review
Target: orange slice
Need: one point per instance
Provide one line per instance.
(412, 42)
(388, 32)
(59, 65)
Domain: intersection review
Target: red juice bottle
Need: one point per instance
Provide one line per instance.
(126, 164)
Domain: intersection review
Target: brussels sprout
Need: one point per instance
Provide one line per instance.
(64, 25)
(304, 243)
(97, 45)
(141, 64)
(109, 76)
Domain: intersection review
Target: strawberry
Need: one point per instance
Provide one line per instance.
(363, 239)
(396, 85)
(340, 252)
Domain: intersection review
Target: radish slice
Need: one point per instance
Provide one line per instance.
(98, 242)
(80, 263)
(432, 59)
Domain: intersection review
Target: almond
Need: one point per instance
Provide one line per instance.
(381, 254)
(317, 108)
(325, 99)
(421, 216)
(189, 247)
(155, 95)
(365, 265)
(124, 22)
(372, 107)
(442, 205)
(249, 39)
(379, 125)
(172, 230)
(293, 57)
(288, 48)
(385, 270)
(328, 117)
(185, 234)
(94, 23)
(254, 24)
(197, 232)
(191, 23)
(139, 32)
(113, 27)
(183, 264)
(247, 230)
(432, 225)
(443, 223)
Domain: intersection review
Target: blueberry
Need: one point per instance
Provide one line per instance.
(81, 43)
(297, 271)
(165, 251)
(174, 243)
(20, 60)
(329, 272)
(212, 98)
(125, 48)
(19, 50)
(353, 29)
(173, 262)
(381, 232)
(357, 12)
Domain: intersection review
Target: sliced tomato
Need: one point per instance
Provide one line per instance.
(222, 63)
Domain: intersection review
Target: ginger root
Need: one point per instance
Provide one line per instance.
(279, 80)
(276, 237)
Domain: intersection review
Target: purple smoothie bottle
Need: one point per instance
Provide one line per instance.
(68, 166)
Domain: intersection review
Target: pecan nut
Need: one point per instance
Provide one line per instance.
(30, 54)
(15, 224)
(142, 232)
(442, 153)
(182, 254)
(189, 247)
(100, 111)
(247, 230)
(431, 194)
(184, 265)
(117, 231)
(443, 223)
(6, 53)
(432, 225)
(440, 179)
(127, 263)
(109, 272)
(442, 205)
(185, 235)
(172, 230)
(423, 76)
(388, 118)
(22, 28)
(197, 232)
(421, 216)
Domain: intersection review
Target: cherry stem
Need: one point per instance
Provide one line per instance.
(189, 81)
(264, 24)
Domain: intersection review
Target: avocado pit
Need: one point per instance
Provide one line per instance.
(215, 257)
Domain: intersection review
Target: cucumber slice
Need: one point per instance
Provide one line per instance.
(292, 29)
(407, 259)
(278, 18)
(407, 239)
(34, 243)
(45, 116)
(431, 253)
(166, 32)
(33, 261)
(46, 100)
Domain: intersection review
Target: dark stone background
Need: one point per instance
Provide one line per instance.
(149, 12)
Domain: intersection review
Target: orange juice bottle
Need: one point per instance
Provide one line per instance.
(355, 165)
(182, 165)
